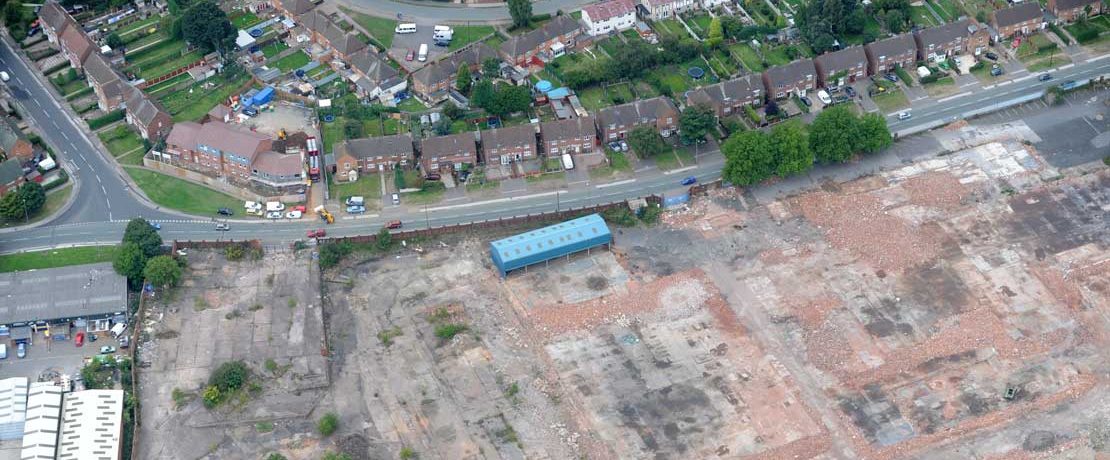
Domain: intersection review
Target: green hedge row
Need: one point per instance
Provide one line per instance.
(102, 121)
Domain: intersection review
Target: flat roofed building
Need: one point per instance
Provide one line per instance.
(44, 416)
(13, 407)
(92, 425)
(62, 294)
(550, 242)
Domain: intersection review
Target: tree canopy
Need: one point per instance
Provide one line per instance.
(521, 11)
(462, 78)
(833, 135)
(206, 26)
(26, 201)
(749, 158)
(696, 122)
(130, 262)
(142, 234)
(790, 142)
(824, 22)
(163, 271)
(646, 141)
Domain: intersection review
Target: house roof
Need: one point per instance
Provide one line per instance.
(569, 129)
(142, 108)
(219, 112)
(371, 66)
(54, 16)
(606, 10)
(221, 136)
(511, 136)
(344, 42)
(892, 46)
(298, 7)
(529, 41)
(792, 72)
(10, 134)
(10, 170)
(637, 112)
(1072, 4)
(369, 147)
(735, 89)
(841, 60)
(452, 145)
(278, 164)
(1018, 14)
(944, 33)
(75, 40)
(184, 135)
(446, 68)
(99, 70)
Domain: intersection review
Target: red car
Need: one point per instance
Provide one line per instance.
(79, 339)
(408, 57)
(320, 233)
(299, 207)
(393, 224)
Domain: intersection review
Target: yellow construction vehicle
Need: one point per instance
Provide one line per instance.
(281, 134)
(324, 214)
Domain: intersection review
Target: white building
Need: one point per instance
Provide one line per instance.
(663, 9)
(609, 16)
(92, 425)
(13, 406)
(710, 4)
(44, 415)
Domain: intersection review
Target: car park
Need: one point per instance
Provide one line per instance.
(273, 215)
(21, 350)
(395, 198)
(293, 215)
(991, 56)
(891, 77)
(223, 227)
(904, 115)
(224, 212)
(393, 224)
(107, 350)
(690, 180)
(356, 209)
(1045, 77)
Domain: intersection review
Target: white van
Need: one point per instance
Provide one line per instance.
(824, 97)
(118, 329)
(443, 36)
(3, 351)
(568, 163)
(272, 206)
(423, 55)
(250, 205)
(406, 28)
(439, 29)
(356, 201)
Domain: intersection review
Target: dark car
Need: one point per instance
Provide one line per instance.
(1045, 77)
(442, 43)
(991, 56)
(690, 180)
(432, 176)
(891, 77)
(806, 101)
(996, 71)
(224, 212)
(851, 91)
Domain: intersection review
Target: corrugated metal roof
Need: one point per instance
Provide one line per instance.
(553, 241)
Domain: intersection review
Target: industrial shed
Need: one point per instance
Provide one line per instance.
(548, 243)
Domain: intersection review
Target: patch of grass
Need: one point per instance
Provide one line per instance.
(431, 192)
(617, 163)
(185, 106)
(546, 177)
(381, 29)
(387, 336)
(891, 101)
(153, 90)
(290, 62)
(921, 16)
(328, 424)
(677, 158)
(52, 258)
(181, 195)
(120, 140)
(450, 330)
(274, 48)
(465, 35)
(368, 186)
(1048, 63)
(411, 105)
(593, 98)
(244, 20)
(264, 427)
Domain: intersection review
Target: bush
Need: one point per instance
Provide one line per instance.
(234, 252)
(230, 376)
(650, 214)
(79, 93)
(328, 424)
(105, 120)
(407, 453)
(212, 397)
(449, 331)
(619, 216)
(752, 114)
(331, 254)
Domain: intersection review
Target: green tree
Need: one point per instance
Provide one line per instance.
(163, 271)
(874, 135)
(462, 78)
(521, 11)
(399, 177)
(11, 208)
(716, 33)
(510, 99)
(749, 158)
(646, 141)
(491, 66)
(142, 234)
(13, 14)
(452, 111)
(481, 95)
(352, 128)
(833, 135)
(792, 148)
(328, 424)
(114, 41)
(33, 196)
(384, 239)
(331, 254)
(206, 26)
(130, 262)
(695, 122)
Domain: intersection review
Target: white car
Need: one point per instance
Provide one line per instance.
(4, 76)
(824, 97)
(904, 116)
(273, 215)
(293, 215)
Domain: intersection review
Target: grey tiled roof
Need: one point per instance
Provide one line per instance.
(893, 46)
(844, 59)
(1018, 14)
(731, 90)
(636, 112)
(791, 72)
(528, 41)
(369, 147)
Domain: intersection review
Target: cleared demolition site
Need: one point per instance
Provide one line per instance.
(957, 307)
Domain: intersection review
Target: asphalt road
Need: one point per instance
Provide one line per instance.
(104, 203)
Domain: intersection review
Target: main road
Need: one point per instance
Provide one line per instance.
(104, 203)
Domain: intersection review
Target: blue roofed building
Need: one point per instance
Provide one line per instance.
(544, 244)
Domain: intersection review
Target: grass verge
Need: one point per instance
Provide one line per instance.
(56, 258)
(181, 195)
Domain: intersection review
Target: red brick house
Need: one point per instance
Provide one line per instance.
(886, 54)
(1023, 18)
(659, 112)
(54, 20)
(13, 143)
(959, 37)
(841, 67)
(448, 152)
(216, 149)
(328, 34)
(373, 153)
(506, 145)
(794, 78)
(146, 115)
(105, 82)
(573, 135)
(293, 8)
(11, 176)
(76, 46)
(432, 81)
(1071, 10)
(547, 42)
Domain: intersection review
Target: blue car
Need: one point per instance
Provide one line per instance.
(690, 180)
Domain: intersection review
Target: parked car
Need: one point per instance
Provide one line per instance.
(4, 76)
(21, 350)
(223, 227)
(891, 77)
(1045, 77)
(293, 215)
(79, 339)
(904, 115)
(805, 101)
(107, 350)
(3, 351)
(395, 198)
(614, 146)
(996, 71)
(356, 209)
(273, 215)
(318, 233)
(991, 56)
(851, 91)
(690, 180)
(393, 224)
(464, 175)
(299, 208)
(156, 225)
(432, 176)
(92, 337)
(624, 146)
(834, 89)
(124, 341)
(224, 212)
(409, 56)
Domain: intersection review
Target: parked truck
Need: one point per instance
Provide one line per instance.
(324, 214)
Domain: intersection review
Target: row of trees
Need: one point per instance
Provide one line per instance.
(500, 99)
(140, 256)
(835, 136)
(631, 60)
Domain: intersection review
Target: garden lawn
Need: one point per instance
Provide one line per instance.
(747, 56)
(137, 25)
(1049, 62)
(670, 27)
(274, 48)
(922, 17)
(332, 133)
(431, 192)
(120, 140)
(700, 22)
(73, 86)
(147, 40)
(155, 53)
(291, 62)
(676, 158)
(620, 93)
(593, 98)
(190, 107)
(169, 65)
(872, 25)
(465, 35)
(722, 64)
(947, 9)
(645, 91)
(244, 20)
(776, 56)
(617, 163)
(166, 84)
(367, 185)
(181, 195)
(52, 258)
(381, 29)
(891, 101)
(411, 105)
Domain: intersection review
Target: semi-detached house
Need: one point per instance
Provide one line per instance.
(573, 135)
(609, 16)
(432, 81)
(54, 20)
(105, 82)
(841, 67)
(449, 152)
(327, 33)
(373, 77)
(959, 37)
(373, 153)
(1071, 10)
(616, 122)
(794, 78)
(145, 115)
(886, 54)
(729, 97)
(293, 8)
(509, 144)
(663, 9)
(76, 46)
(1023, 18)
(548, 41)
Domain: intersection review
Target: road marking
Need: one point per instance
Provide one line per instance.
(955, 96)
(102, 189)
(1068, 66)
(67, 137)
(98, 179)
(37, 103)
(676, 171)
(364, 216)
(613, 184)
(498, 200)
(1023, 78)
(1104, 56)
(1006, 82)
(20, 81)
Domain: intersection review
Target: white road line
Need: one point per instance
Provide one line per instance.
(676, 171)
(37, 103)
(65, 136)
(1104, 56)
(613, 184)
(1067, 66)
(98, 179)
(102, 189)
(499, 200)
(954, 96)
